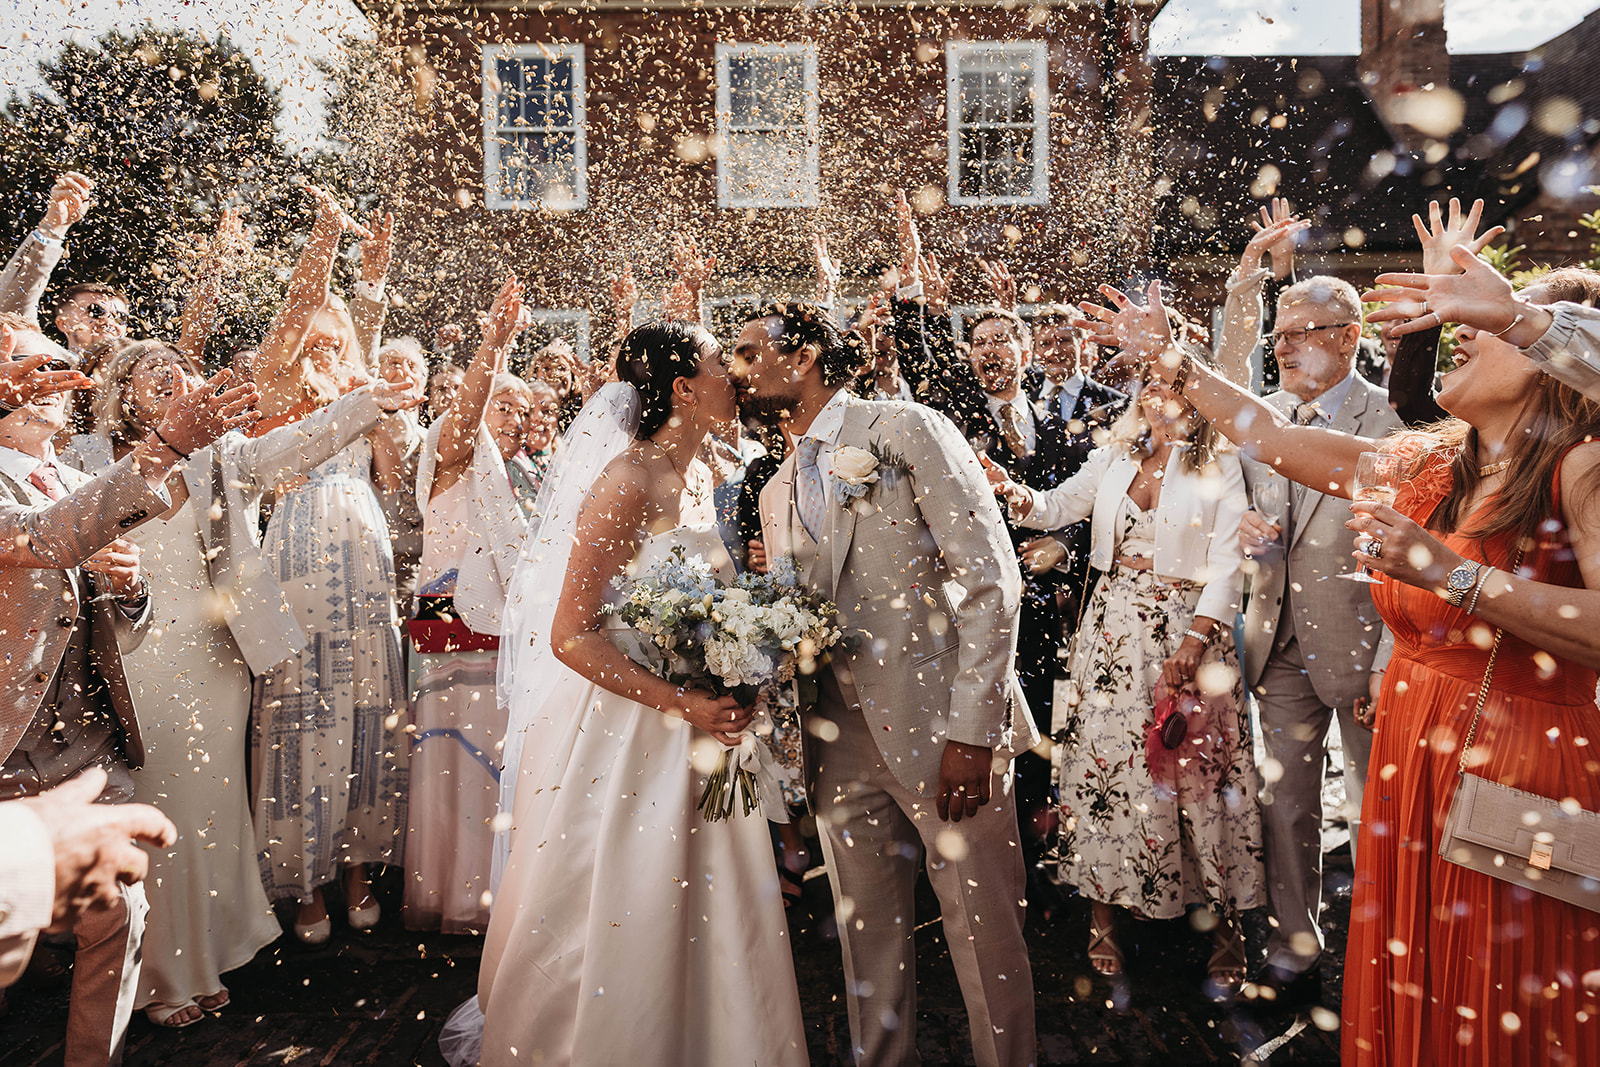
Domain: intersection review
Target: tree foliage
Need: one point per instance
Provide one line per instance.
(170, 126)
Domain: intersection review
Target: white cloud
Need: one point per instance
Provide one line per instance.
(282, 37)
(1292, 27)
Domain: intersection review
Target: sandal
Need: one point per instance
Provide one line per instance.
(1105, 955)
(1227, 964)
(167, 1014)
(215, 1002)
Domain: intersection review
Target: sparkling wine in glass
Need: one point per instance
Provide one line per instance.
(1377, 480)
(1269, 496)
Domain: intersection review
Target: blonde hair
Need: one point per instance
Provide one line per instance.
(112, 416)
(1132, 429)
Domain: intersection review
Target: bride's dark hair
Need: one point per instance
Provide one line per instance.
(652, 357)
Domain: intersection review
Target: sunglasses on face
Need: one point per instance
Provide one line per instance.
(55, 361)
(102, 311)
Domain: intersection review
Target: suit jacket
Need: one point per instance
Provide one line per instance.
(1197, 520)
(1335, 621)
(23, 281)
(41, 591)
(928, 590)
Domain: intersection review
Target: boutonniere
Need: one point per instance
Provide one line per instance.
(857, 471)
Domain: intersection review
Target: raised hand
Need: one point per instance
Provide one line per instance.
(1144, 332)
(377, 250)
(1277, 231)
(69, 203)
(935, 284)
(1439, 237)
(827, 270)
(332, 217)
(398, 395)
(1479, 296)
(500, 326)
(22, 379)
(1001, 283)
(199, 415)
(910, 239)
(691, 269)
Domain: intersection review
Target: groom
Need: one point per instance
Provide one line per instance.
(886, 511)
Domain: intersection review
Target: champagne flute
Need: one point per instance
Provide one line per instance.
(1269, 496)
(1377, 480)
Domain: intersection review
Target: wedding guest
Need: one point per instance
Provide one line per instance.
(1310, 646)
(472, 515)
(401, 359)
(75, 601)
(1488, 551)
(443, 385)
(64, 854)
(23, 281)
(537, 426)
(1059, 380)
(1253, 293)
(191, 675)
(1164, 497)
(329, 720)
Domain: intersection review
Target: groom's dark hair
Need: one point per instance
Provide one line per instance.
(840, 357)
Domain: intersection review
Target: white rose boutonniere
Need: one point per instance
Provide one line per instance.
(857, 471)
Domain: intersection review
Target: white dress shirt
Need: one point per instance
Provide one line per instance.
(1329, 401)
(19, 466)
(1061, 398)
(825, 428)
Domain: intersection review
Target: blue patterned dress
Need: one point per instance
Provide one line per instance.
(330, 742)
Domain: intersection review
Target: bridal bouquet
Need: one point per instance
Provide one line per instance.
(748, 639)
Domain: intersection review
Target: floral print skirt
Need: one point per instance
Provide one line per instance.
(1157, 846)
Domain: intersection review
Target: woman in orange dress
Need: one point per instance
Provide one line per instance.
(1445, 965)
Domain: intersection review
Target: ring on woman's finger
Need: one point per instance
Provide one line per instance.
(1375, 548)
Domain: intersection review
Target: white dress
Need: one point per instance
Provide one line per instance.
(330, 722)
(208, 912)
(627, 930)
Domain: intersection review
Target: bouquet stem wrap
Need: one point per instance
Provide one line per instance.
(746, 778)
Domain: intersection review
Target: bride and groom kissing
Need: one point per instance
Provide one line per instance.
(628, 929)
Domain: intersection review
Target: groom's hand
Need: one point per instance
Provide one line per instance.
(963, 780)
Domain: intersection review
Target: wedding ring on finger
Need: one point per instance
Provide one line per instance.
(1375, 548)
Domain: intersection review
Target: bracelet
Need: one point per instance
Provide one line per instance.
(170, 447)
(1514, 324)
(1204, 639)
(1181, 379)
(1483, 579)
(48, 242)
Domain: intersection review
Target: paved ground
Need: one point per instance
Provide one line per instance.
(380, 998)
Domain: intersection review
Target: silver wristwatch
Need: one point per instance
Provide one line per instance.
(1460, 582)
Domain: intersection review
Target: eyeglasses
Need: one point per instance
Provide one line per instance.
(1298, 337)
(101, 311)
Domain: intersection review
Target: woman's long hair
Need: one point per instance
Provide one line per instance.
(114, 416)
(1553, 420)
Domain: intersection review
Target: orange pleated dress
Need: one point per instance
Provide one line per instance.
(1446, 966)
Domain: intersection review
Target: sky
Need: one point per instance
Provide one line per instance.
(285, 36)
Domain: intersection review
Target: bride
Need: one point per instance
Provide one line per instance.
(625, 928)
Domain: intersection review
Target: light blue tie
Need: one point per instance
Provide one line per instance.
(810, 495)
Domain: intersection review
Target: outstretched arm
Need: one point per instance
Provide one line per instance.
(25, 277)
(200, 310)
(308, 292)
(461, 422)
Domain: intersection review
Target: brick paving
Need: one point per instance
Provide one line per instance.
(380, 998)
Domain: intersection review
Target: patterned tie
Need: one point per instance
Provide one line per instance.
(47, 480)
(1011, 430)
(1305, 414)
(810, 495)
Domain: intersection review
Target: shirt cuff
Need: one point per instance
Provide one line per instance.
(372, 291)
(28, 872)
(908, 292)
(48, 242)
(1558, 336)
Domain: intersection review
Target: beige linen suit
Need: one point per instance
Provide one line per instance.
(928, 591)
(1309, 644)
(64, 663)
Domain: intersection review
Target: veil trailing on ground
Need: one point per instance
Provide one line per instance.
(528, 667)
(529, 671)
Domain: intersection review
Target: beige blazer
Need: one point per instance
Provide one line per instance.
(41, 547)
(1334, 620)
(928, 591)
(1197, 520)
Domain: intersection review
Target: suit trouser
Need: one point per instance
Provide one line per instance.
(105, 978)
(1294, 727)
(873, 832)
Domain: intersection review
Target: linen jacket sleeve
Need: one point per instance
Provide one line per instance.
(61, 535)
(1224, 578)
(27, 886)
(368, 315)
(23, 281)
(956, 502)
(1241, 325)
(1569, 351)
(257, 463)
(1073, 500)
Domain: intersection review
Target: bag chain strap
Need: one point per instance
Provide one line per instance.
(1483, 690)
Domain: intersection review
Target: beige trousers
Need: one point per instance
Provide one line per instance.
(874, 832)
(105, 978)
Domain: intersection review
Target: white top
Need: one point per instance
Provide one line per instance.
(19, 466)
(1330, 400)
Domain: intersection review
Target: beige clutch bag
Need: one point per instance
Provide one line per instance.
(1523, 838)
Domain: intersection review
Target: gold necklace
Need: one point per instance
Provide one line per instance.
(1493, 468)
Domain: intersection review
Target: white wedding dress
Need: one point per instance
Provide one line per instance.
(627, 929)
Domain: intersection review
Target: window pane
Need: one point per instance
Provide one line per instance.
(971, 83)
(538, 167)
(767, 167)
(766, 90)
(996, 162)
(509, 103)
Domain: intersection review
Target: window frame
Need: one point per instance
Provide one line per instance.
(494, 51)
(728, 50)
(1034, 59)
(577, 317)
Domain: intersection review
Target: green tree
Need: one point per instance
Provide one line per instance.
(170, 126)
